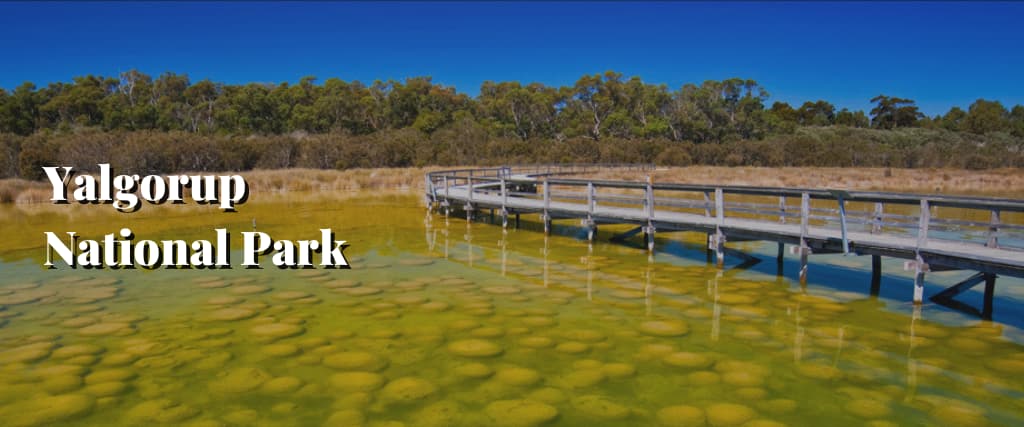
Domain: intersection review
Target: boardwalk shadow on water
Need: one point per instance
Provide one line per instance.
(850, 275)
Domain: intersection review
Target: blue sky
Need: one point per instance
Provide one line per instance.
(940, 54)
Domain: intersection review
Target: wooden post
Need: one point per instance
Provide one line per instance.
(842, 223)
(779, 258)
(805, 213)
(591, 198)
(990, 289)
(429, 187)
(469, 186)
(876, 222)
(504, 203)
(993, 230)
(719, 222)
(876, 274)
(719, 206)
(650, 216)
(919, 269)
(922, 226)
(547, 205)
(782, 209)
(591, 227)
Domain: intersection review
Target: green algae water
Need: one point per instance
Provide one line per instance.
(444, 323)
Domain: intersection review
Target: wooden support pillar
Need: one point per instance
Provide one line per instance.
(993, 230)
(649, 230)
(719, 222)
(649, 237)
(876, 274)
(990, 289)
(779, 258)
(876, 220)
(710, 245)
(780, 254)
(782, 209)
(591, 205)
(920, 268)
(517, 220)
(546, 217)
(805, 213)
(803, 265)
(922, 226)
(840, 199)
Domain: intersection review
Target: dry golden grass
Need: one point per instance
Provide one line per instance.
(303, 180)
(998, 182)
(268, 183)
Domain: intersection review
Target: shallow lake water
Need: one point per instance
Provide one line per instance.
(444, 323)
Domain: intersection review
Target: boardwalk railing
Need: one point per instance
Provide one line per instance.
(983, 234)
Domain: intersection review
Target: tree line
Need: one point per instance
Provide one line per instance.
(416, 121)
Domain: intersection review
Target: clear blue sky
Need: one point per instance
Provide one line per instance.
(940, 54)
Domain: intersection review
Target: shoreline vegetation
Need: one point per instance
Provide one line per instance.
(284, 182)
(166, 124)
(335, 135)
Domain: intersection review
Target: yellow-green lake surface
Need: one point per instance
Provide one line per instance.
(444, 323)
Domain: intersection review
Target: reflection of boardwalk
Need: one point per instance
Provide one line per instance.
(924, 239)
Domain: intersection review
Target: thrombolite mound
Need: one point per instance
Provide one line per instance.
(407, 390)
(230, 314)
(281, 385)
(517, 376)
(729, 414)
(290, 295)
(43, 410)
(58, 384)
(27, 353)
(440, 414)
(108, 328)
(867, 408)
(664, 328)
(250, 289)
(110, 374)
(582, 378)
(356, 381)
(159, 411)
(106, 389)
(473, 370)
(600, 407)
(474, 348)
(686, 359)
(276, 331)
(280, 350)
(519, 413)
(573, 347)
(239, 380)
(618, 370)
(680, 416)
(355, 361)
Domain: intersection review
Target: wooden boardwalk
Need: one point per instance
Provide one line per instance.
(674, 207)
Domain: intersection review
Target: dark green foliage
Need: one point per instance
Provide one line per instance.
(170, 124)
